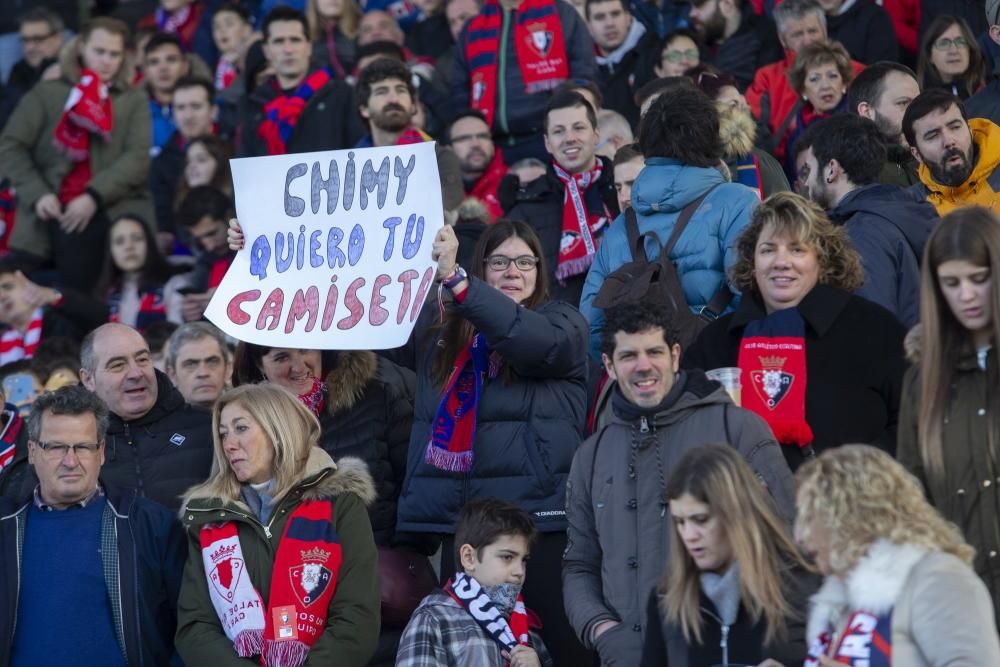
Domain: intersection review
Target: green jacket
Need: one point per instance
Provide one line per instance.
(120, 167)
(352, 625)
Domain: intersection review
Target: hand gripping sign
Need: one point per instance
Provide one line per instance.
(337, 251)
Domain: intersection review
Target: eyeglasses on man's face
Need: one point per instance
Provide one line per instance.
(57, 450)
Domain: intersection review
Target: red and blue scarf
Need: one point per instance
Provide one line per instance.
(538, 41)
(748, 173)
(152, 307)
(454, 427)
(584, 215)
(773, 359)
(282, 113)
(865, 642)
(469, 593)
(8, 438)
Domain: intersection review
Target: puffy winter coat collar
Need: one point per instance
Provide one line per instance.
(347, 380)
(666, 185)
(820, 308)
(697, 392)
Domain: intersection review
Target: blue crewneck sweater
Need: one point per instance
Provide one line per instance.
(63, 610)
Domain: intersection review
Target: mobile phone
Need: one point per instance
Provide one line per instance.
(184, 291)
(19, 388)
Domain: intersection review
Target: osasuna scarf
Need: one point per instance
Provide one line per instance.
(303, 579)
(315, 398)
(748, 173)
(282, 113)
(580, 223)
(454, 427)
(468, 592)
(152, 307)
(88, 109)
(8, 438)
(866, 642)
(14, 345)
(539, 44)
(225, 74)
(773, 360)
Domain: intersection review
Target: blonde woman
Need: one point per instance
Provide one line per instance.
(735, 589)
(949, 418)
(899, 589)
(281, 562)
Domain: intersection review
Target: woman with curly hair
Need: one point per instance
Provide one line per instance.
(822, 366)
(949, 422)
(899, 587)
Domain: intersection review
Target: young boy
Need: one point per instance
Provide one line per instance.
(479, 618)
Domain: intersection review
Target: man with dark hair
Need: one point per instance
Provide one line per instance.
(864, 28)
(205, 214)
(679, 137)
(739, 41)
(509, 57)
(195, 113)
(163, 64)
(41, 33)
(199, 363)
(627, 164)
(881, 93)
(619, 528)
(624, 48)
(482, 162)
(386, 101)
(959, 157)
(295, 111)
(838, 161)
(79, 542)
(572, 204)
(647, 94)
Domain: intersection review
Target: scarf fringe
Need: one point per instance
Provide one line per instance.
(450, 461)
(542, 86)
(792, 433)
(86, 123)
(249, 643)
(285, 654)
(573, 267)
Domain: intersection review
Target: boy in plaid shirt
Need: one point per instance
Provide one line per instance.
(478, 619)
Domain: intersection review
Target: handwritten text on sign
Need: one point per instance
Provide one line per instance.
(337, 251)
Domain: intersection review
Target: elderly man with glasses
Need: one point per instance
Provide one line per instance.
(76, 548)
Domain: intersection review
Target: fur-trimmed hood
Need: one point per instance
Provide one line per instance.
(737, 131)
(322, 478)
(346, 382)
(873, 585)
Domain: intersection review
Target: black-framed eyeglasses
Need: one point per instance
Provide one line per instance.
(36, 39)
(57, 450)
(501, 262)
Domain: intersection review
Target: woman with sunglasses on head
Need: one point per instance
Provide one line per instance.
(949, 421)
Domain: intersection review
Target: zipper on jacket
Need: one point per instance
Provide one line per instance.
(248, 517)
(724, 643)
(19, 536)
(502, 73)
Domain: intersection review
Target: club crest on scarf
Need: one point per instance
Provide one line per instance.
(227, 571)
(311, 578)
(539, 39)
(771, 382)
(478, 88)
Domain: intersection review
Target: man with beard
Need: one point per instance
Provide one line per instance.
(387, 102)
(959, 157)
(837, 161)
(739, 41)
(295, 111)
(481, 162)
(623, 47)
(882, 93)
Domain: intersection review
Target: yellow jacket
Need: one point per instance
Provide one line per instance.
(982, 188)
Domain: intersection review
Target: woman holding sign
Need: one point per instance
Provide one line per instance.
(282, 566)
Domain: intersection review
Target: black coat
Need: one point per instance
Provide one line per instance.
(430, 37)
(900, 166)
(540, 204)
(163, 453)
(866, 32)
(527, 428)
(329, 121)
(664, 644)
(854, 362)
(369, 411)
(985, 103)
(151, 555)
(754, 44)
(164, 175)
(619, 81)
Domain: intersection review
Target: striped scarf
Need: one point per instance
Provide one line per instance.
(580, 222)
(152, 307)
(14, 345)
(8, 437)
(282, 113)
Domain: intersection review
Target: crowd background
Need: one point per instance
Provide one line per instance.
(644, 199)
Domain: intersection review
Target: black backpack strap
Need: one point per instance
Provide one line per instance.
(635, 241)
(682, 221)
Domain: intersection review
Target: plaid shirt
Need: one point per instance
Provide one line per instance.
(441, 633)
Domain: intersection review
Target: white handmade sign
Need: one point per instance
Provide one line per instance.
(337, 251)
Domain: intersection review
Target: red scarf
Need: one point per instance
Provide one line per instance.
(8, 438)
(538, 41)
(865, 642)
(773, 358)
(225, 74)
(485, 189)
(183, 23)
(580, 224)
(14, 345)
(88, 109)
(304, 577)
(413, 135)
(315, 398)
(282, 113)
(469, 593)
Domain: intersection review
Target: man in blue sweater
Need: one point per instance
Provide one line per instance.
(90, 575)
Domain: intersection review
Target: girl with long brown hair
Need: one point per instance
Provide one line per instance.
(949, 427)
(735, 588)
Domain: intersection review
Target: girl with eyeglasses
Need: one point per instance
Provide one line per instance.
(950, 58)
(680, 53)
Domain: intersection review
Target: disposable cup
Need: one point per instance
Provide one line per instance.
(729, 378)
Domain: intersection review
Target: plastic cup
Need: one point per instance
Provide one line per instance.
(729, 378)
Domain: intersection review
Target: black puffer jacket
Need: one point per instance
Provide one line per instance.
(527, 429)
(163, 453)
(368, 415)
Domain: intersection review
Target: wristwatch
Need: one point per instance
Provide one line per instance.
(456, 277)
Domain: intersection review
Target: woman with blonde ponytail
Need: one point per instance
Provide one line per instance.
(949, 422)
